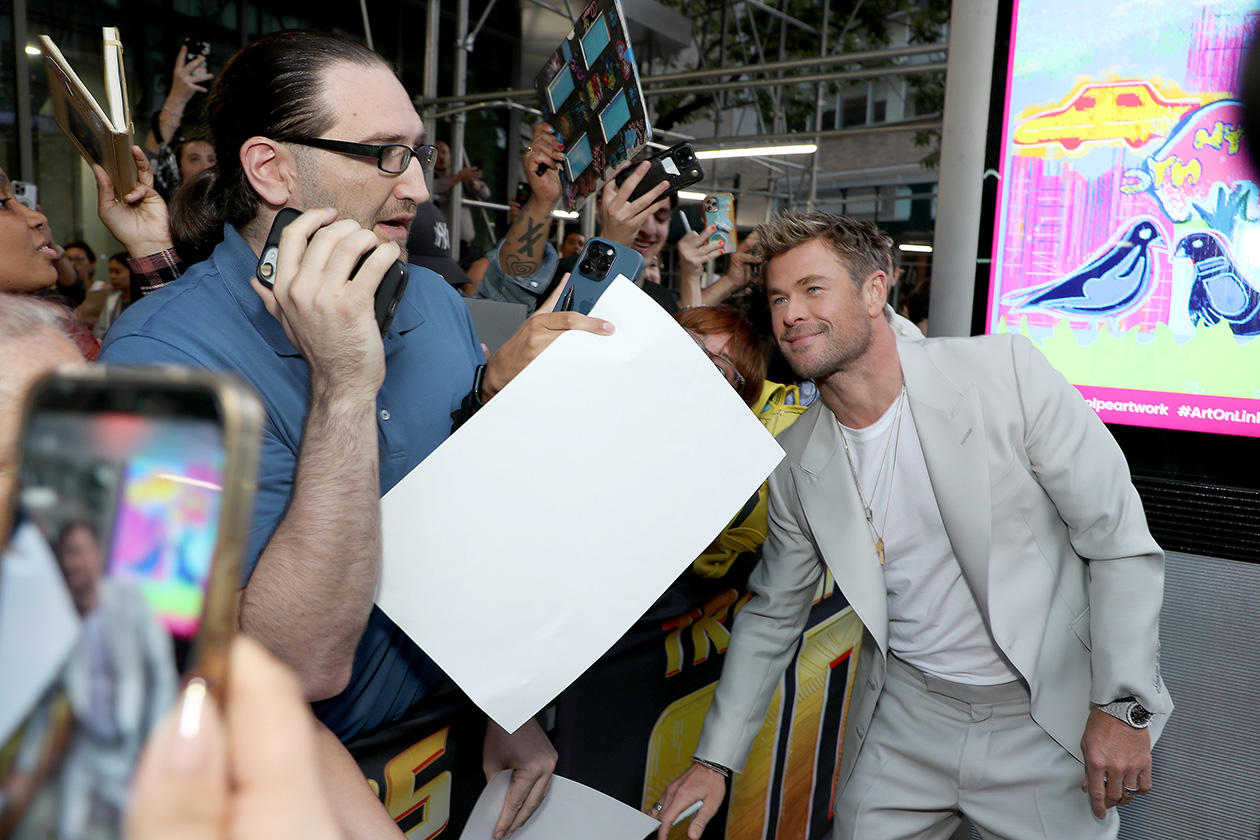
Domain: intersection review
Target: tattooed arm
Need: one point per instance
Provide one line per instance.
(523, 263)
(521, 253)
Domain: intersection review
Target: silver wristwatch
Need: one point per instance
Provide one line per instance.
(1128, 710)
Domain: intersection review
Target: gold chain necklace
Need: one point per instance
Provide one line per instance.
(895, 434)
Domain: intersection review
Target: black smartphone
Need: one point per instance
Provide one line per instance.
(192, 49)
(677, 165)
(598, 265)
(388, 294)
(121, 579)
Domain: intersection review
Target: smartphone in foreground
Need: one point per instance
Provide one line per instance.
(388, 294)
(677, 165)
(719, 212)
(133, 505)
(598, 265)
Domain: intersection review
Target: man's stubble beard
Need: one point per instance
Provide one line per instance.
(315, 194)
(838, 353)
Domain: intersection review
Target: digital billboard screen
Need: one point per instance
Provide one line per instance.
(1126, 241)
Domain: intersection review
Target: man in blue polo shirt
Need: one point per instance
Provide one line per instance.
(311, 120)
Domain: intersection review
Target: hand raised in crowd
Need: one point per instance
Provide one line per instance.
(525, 245)
(189, 77)
(535, 336)
(694, 249)
(247, 772)
(328, 315)
(619, 217)
(742, 262)
(139, 219)
(698, 784)
(469, 174)
(532, 759)
(542, 161)
(187, 80)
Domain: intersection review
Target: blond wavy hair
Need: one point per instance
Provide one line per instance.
(861, 247)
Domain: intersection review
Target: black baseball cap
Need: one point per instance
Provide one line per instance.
(429, 244)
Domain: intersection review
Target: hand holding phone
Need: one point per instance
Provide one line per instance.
(677, 166)
(193, 74)
(388, 294)
(598, 265)
(135, 500)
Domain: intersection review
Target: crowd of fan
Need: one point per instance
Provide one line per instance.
(191, 231)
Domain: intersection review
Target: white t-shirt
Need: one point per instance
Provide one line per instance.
(934, 620)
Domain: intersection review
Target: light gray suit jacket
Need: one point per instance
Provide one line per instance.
(1043, 517)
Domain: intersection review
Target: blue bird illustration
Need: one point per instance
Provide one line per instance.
(1114, 282)
(1219, 292)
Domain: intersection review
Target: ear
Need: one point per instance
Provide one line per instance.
(271, 169)
(876, 293)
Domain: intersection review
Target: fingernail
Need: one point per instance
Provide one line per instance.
(190, 709)
(189, 750)
(609, 329)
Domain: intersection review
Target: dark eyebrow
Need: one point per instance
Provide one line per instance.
(393, 139)
(384, 139)
(800, 281)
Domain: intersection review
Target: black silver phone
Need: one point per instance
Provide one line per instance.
(677, 165)
(193, 48)
(388, 294)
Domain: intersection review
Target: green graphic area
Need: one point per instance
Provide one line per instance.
(1210, 363)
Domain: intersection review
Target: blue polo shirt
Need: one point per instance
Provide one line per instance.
(211, 318)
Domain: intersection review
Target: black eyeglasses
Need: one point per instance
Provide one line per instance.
(394, 158)
(724, 363)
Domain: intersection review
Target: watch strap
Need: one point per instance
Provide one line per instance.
(1129, 710)
(478, 381)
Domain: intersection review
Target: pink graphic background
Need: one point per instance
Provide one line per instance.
(1057, 212)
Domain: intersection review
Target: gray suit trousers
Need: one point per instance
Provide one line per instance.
(937, 751)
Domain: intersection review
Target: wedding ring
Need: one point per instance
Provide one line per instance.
(1131, 791)
(657, 806)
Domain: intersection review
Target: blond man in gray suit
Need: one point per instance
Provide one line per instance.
(981, 522)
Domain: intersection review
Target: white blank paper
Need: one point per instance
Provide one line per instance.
(533, 538)
(571, 811)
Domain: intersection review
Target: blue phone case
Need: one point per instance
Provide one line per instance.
(598, 265)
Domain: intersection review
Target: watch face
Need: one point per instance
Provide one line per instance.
(1138, 715)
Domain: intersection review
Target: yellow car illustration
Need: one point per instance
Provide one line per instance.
(1133, 112)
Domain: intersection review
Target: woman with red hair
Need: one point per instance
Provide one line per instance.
(735, 348)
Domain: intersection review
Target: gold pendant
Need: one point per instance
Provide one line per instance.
(879, 546)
